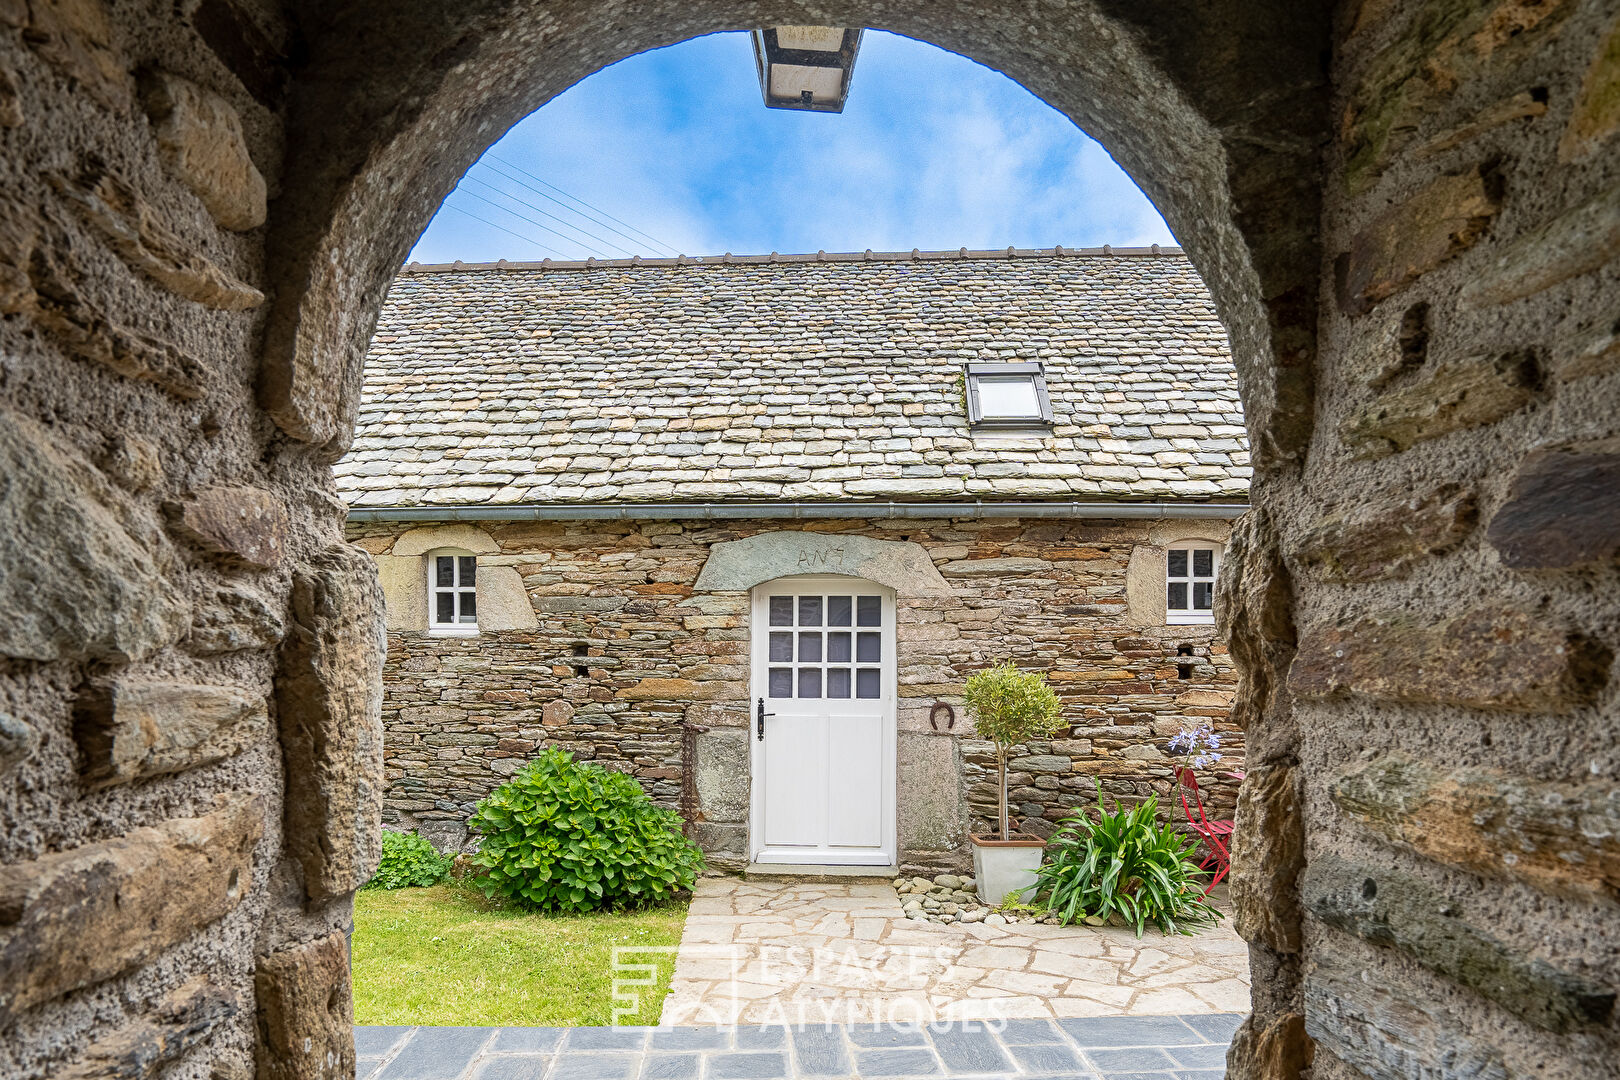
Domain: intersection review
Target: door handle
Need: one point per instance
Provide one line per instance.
(761, 723)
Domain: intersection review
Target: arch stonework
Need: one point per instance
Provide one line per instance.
(1405, 210)
(738, 565)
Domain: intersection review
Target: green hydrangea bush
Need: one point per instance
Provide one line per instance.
(1126, 863)
(408, 859)
(569, 836)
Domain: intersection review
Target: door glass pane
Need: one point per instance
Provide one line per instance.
(869, 611)
(868, 682)
(838, 649)
(469, 607)
(446, 608)
(1204, 563)
(839, 609)
(1177, 561)
(781, 648)
(1203, 596)
(1178, 596)
(809, 682)
(838, 682)
(469, 570)
(781, 611)
(781, 682)
(445, 571)
(809, 611)
(868, 648)
(809, 648)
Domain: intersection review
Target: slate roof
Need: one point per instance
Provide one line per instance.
(794, 377)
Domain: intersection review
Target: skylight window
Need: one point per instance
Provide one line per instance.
(1007, 396)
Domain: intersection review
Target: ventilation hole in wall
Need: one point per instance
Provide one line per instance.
(582, 649)
(1369, 889)
(1184, 671)
(1414, 336)
(1524, 366)
(582, 671)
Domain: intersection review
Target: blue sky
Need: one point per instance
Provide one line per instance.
(932, 151)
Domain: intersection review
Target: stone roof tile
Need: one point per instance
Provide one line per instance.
(801, 378)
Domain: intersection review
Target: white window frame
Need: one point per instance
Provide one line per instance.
(457, 628)
(1032, 371)
(1189, 616)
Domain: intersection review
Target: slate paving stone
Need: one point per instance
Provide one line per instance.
(970, 1051)
(1019, 1032)
(761, 1037)
(1200, 1057)
(1136, 1058)
(671, 1066)
(900, 1062)
(819, 1051)
(587, 1066)
(1115, 1048)
(1216, 1027)
(1130, 1031)
(881, 1035)
(433, 1053)
(513, 1067)
(747, 1065)
(691, 1038)
(375, 1041)
(527, 1040)
(607, 1038)
(1044, 1058)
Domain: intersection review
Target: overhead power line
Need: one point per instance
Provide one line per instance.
(504, 229)
(569, 209)
(574, 198)
(521, 201)
(508, 210)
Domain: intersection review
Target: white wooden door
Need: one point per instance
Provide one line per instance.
(824, 676)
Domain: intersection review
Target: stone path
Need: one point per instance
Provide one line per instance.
(769, 953)
(1097, 1048)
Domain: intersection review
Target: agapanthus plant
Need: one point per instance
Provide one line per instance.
(1200, 742)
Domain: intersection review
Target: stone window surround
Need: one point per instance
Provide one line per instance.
(436, 628)
(1191, 617)
(1146, 602)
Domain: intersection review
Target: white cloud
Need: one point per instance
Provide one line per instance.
(676, 143)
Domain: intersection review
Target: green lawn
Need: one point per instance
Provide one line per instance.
(446, 955)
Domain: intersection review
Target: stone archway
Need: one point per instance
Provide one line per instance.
(1435, 486)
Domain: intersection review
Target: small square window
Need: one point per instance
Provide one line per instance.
(452, 585)
(1190, 571)
(1007, 396)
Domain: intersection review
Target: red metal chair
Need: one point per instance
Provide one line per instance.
(1215, 834)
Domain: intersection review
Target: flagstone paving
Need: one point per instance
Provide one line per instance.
(776, 953)
(1093, 1048)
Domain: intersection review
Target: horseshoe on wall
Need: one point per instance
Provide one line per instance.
(950, 716)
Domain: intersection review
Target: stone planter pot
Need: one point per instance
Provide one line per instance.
(1005, 866)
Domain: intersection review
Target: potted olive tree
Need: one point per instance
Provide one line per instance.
(1008, 707)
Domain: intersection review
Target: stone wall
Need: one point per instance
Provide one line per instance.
(1405, 212)
(190, 654)
(626, 648)
(1428, 628)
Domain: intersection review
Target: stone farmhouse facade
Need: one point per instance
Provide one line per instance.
(741, 528)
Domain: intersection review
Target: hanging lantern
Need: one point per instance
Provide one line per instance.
(805, 67)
